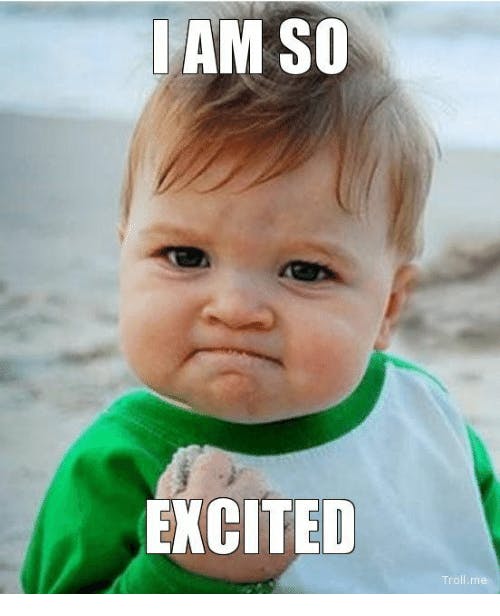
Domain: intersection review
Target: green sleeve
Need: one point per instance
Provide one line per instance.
(90, 533)
(489, 487)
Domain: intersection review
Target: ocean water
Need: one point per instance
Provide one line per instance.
(95, 59)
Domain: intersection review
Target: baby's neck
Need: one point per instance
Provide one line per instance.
(173, 401)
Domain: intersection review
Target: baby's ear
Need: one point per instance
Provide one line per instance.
(403, 284)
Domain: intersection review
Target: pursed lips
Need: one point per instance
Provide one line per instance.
(236, 352)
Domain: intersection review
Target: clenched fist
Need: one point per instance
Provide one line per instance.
(208, 473)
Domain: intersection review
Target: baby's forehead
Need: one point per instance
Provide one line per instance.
(235, 172)
(300, 202)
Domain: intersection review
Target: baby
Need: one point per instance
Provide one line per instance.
(268, 232)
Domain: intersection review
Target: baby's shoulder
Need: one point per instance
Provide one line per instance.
(117, 422)
(414, 372)
(413, 390)
(120, 436)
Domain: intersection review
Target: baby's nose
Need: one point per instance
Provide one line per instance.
(239, 304)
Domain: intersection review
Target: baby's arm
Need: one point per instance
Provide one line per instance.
(90, 533)
(489, 487)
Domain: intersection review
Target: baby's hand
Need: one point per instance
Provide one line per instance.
(209, 473)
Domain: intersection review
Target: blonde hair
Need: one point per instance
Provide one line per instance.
(365, 113)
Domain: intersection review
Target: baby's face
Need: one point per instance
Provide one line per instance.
(255, 305)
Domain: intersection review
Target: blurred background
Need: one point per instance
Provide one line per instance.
(73, 77)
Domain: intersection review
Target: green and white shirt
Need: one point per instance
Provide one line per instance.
(426, 498)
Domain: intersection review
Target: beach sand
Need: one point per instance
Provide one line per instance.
(60, 363)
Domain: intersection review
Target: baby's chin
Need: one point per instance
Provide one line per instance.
(245, 414)
(248, 409)
(240, 397)
(233, 405)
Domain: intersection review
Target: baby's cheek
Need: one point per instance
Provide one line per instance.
(149, 341)
(331, 366)
(136, 344)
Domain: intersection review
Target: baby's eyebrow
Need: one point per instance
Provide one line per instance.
(172, 231)
(328, 248)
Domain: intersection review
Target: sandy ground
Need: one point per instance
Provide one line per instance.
(60, 363)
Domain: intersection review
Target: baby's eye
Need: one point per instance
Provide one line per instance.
(306, 271)
(186, 256)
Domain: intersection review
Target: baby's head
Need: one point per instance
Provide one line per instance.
(268, 228)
